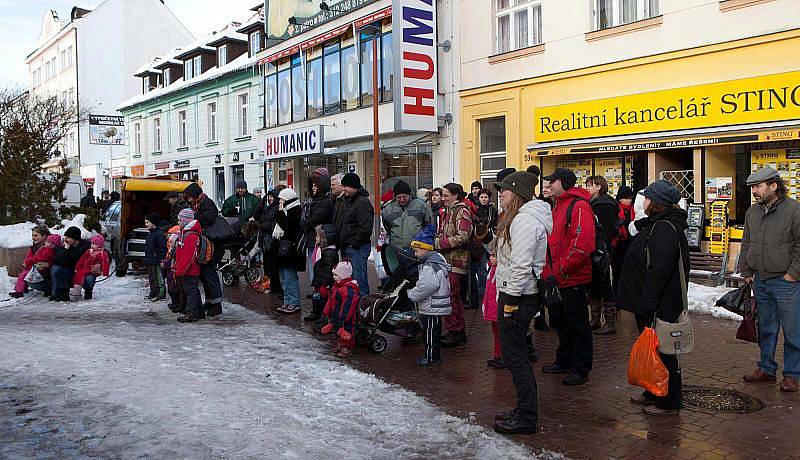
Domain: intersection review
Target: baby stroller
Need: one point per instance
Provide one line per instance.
(390, 311)
(244, 260)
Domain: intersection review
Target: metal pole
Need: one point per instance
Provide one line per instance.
(376, 151)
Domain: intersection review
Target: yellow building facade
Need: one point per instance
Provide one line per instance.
(702, 118)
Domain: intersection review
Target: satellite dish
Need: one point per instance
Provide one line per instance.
(110, 131)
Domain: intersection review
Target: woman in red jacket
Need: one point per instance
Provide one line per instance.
(38, 236)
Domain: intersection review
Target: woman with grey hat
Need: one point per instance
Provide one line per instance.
(521, 250)
(650, 285)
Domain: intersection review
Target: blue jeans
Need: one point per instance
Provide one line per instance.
(310, 264)
(291, 286)
(43, 285)
(61, 277)
(778, 303)
(358, 258)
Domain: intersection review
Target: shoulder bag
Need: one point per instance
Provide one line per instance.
(674, 338)
(548, 287)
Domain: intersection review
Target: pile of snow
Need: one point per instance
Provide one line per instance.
(702, 299)
(77, 221)
(16, 235)
(6, 283)
(115, 375)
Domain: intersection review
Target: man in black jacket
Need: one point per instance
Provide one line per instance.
(88, 201)
(66, 257)
(206, 213)
(355, 228)
(601, 295)
(317, 210)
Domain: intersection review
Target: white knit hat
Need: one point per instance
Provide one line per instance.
(343, 270)
(287, 194)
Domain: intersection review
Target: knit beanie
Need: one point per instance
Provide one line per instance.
(425, 238)
(74, 233)
(662, 192)
(351, 180)
(98, 241)
(54, 239)
(343, 270)
(153, 218)
(422, 194)
(401, 188)
(241, 183)
(185, 216)
(503, 173)
(625, 192)
(321, 172)
(521, 183)
(258, 190)
(287, 194)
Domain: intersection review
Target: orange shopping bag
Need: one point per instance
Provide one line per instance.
(645, 368)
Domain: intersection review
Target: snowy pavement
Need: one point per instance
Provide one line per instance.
(119, 377)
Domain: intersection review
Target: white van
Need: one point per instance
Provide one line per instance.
(73, 191)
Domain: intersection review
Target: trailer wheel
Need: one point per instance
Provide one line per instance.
(377, 344)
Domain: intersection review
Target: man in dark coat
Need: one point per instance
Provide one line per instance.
(104, 202)
(601, 294)
(317, 210)
(241, 204)
(265, 216)
(88, 201)
(355, 229)
(206, 213)
(66, 257)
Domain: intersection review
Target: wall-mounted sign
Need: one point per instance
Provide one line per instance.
(106, 129)
(182, 164)
(307, 14)
(137, 170)
(414, 32)
(748, 100)
(217, 159)
(293, 143)
(235, 157)
(161, 165)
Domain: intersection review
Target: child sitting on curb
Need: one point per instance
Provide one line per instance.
(325, 258)
(92, 264)
(36, 268)
(431, 293)
(341, 308)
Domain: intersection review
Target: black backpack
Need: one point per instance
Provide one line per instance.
(601, 257)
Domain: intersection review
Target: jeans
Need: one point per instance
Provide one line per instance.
(310, 264)
(88, 282)
(514, 346)
(674, 398)
(44, 285)
(61, 277)
(212, 285)
(477, 281)
(571, 321)
(778, 304)
(432, 326)
(291, 286)
(455, 321)
(358, 258)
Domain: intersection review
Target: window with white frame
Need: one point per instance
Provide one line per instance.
(137, 138)
(63, 59)
(198, 66)
(222, 55)
(183, 131)
(156, 134)
(611, 13)
(71, 96)
(167, 76)
(255, 43)
(187, 69)
(211, 111)
(518, 24)
(69, 57)
(242, 114)
(492, 146)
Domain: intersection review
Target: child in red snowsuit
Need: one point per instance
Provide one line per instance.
(92, 263)
(187, 270)
(340, 310)
(490, 312)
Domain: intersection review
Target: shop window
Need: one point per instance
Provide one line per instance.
(298, 90)
(387, 69)
(411, 163)
(219, 186)
(518, 24)
(271, 95)
(331, 78)
(350, 78)
(611, 13)
(315, 107)
(366, 69)
(284, 96)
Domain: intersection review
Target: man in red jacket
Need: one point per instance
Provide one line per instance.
(570, 247)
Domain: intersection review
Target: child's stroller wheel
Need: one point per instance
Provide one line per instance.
(362, 337)
(377, 344)
(228, 278)
(252, 275)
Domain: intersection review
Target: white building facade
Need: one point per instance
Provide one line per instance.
(89, 60)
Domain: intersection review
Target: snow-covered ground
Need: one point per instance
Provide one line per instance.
(118, 377)
(702, 299)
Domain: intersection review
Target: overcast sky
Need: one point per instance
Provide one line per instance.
(21, 20)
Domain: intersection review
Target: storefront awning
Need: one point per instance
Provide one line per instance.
(385, 143)
(759, 132)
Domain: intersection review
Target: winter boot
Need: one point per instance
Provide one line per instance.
(214, 309)
(188, 318)
(15, 295)
(596, 310)
(88, 294)
(610, 315)
(63, 295)
(316, 310)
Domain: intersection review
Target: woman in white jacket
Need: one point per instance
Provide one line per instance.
(521, 252)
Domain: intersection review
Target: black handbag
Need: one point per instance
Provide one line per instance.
(285, 248)
(548, 287)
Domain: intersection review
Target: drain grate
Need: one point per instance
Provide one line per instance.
(719, 400)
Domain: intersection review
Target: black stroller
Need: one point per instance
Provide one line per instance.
(390, 311)
(244, 253)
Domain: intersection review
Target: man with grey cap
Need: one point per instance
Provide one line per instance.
(770, 259)
(241, 204)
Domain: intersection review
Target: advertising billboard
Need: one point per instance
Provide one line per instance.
(307, 14)
(106, 130)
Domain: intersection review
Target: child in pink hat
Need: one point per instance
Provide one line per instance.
(340, 310)
(93, 263)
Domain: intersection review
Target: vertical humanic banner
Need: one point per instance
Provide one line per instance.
(414, 38)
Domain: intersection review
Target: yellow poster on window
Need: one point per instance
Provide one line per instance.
(611, 169)
(785, 161)
(581, 168)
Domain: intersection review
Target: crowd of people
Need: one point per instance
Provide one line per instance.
(571, 256)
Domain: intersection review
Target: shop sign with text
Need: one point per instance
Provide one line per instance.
(297, 142)
(416, 89)
(749, 100)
